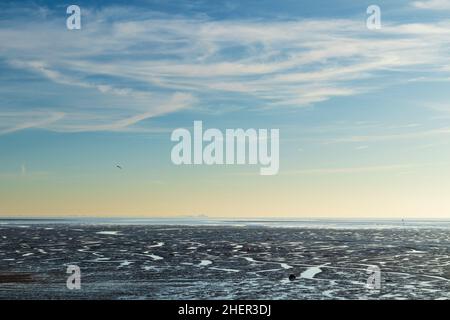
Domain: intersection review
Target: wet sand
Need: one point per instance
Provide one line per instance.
(221, 262)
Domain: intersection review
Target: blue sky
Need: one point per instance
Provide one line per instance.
(355, 107)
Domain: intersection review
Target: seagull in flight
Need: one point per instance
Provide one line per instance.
(119, 167)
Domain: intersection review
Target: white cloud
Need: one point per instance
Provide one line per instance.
(177, 102)
(12, 122)
(57, 77)
(160, 57)
(349, 170)
(432, 4)
(445, 131)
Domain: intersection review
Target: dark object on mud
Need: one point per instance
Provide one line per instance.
(292, 277)
(16, 277)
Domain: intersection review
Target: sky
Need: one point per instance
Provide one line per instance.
(364, 115)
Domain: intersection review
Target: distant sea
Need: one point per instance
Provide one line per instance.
(282, 223)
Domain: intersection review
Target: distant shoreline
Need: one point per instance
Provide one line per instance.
(281, 223)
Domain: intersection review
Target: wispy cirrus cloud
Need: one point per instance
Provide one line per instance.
(351, 170)
(176, 102)
(432, 4)
(141, 64)
(12, 122)
(445, 131)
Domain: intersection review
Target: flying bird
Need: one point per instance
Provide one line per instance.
(117, 166)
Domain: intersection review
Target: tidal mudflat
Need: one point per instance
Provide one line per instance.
(222, 262)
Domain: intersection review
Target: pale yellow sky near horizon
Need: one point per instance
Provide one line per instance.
(391, 194)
